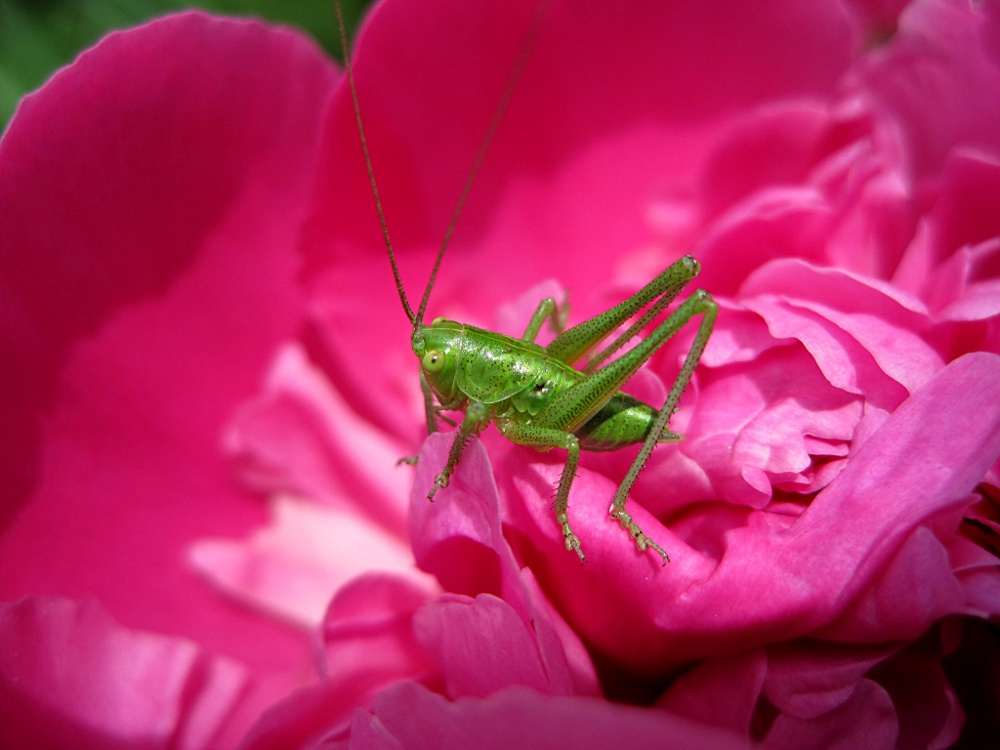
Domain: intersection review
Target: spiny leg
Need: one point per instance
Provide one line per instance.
(599, 358)
(475, 416)
(573, 344)
(700, 303)
(541, 437)
(561, 506)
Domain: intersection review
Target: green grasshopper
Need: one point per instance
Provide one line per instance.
(533, 394)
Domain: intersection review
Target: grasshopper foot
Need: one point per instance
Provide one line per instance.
(572, 541)
(642, 541)
(440, 482)
(408, 460)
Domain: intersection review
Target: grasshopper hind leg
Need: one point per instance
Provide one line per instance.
(700, 303)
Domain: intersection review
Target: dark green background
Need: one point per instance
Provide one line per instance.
(39, 36)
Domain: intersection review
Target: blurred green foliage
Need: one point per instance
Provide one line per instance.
(37, 37)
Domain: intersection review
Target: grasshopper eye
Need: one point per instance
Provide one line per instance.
(437, 321)
(433, 361)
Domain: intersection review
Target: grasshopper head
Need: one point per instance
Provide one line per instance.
(437, 346)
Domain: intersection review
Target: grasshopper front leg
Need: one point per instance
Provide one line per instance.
(432, 412)
(477, 415)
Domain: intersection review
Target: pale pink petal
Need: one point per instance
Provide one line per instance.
(292, 567)
(300, 437)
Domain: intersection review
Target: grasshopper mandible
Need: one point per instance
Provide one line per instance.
(535, 395)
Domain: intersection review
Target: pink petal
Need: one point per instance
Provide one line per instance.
(457, 536)
(940, 80)
(369, 643)
(774, 223)
(883, 324)
(976, 569)
(810, 679)
(971, 669)
(369, 629)
(292, 567)
(866, 720)
(915, 588)
(937, 264)
(409, 716)
(963, 215)
(150, 198)
(740, 336)
(71, 677)
(301, 437)
(928, 712)
(482, 645)
(776, 146)
(722, 691)
(862, 532)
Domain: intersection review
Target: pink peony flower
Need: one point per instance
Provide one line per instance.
(210, 383)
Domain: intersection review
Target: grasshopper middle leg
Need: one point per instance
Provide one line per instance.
(547, 438)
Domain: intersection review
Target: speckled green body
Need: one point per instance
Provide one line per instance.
(537, 397)
(518, 380)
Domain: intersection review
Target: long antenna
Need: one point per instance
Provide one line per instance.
(508, 93)
(415, 320)
(505, 98)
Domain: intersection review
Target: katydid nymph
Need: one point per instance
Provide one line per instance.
(536, 396)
